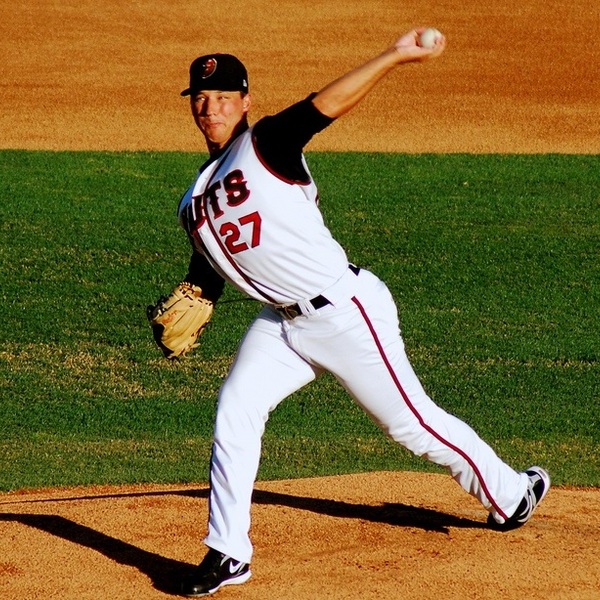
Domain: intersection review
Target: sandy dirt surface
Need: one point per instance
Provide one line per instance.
(518, 76)
(371, 536)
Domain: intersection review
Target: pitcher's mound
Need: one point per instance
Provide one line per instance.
(370, 536)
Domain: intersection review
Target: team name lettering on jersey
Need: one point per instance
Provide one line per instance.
(236, 192)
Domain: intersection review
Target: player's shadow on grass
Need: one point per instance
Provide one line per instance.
(166, 573)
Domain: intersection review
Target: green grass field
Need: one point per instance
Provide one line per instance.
(493, 260)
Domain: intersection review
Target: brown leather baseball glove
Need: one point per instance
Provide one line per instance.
(179, 318)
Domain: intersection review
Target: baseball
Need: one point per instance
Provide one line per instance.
(429, 37)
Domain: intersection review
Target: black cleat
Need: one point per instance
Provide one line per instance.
(215, 571)
(539, 484)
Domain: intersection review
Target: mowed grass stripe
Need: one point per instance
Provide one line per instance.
(493, 261)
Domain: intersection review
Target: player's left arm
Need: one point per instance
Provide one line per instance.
(342, 94)
(201, 273)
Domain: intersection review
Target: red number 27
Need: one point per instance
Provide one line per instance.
(231, 233)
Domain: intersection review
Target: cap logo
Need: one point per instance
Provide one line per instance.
(208, 68)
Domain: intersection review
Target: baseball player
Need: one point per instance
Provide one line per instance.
(253, 219)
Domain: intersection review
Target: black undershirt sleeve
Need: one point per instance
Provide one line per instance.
(201, 273)
(279, 139)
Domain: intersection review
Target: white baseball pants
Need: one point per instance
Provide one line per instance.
(358, 340)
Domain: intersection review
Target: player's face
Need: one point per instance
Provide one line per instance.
(218, 114)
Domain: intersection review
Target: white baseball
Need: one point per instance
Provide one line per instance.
(429, 37)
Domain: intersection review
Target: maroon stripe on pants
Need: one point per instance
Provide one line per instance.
(416, 413)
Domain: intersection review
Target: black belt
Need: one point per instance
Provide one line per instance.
(293, 310)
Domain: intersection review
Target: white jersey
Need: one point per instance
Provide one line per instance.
(263, 234)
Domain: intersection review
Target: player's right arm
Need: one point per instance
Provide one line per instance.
(342, 94)
(280, 139)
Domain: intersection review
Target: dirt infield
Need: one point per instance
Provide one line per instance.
(373, 536)
(518, 76)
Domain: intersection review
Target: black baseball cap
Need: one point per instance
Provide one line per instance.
(223, 72)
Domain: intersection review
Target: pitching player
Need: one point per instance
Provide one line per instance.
(253, 219)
